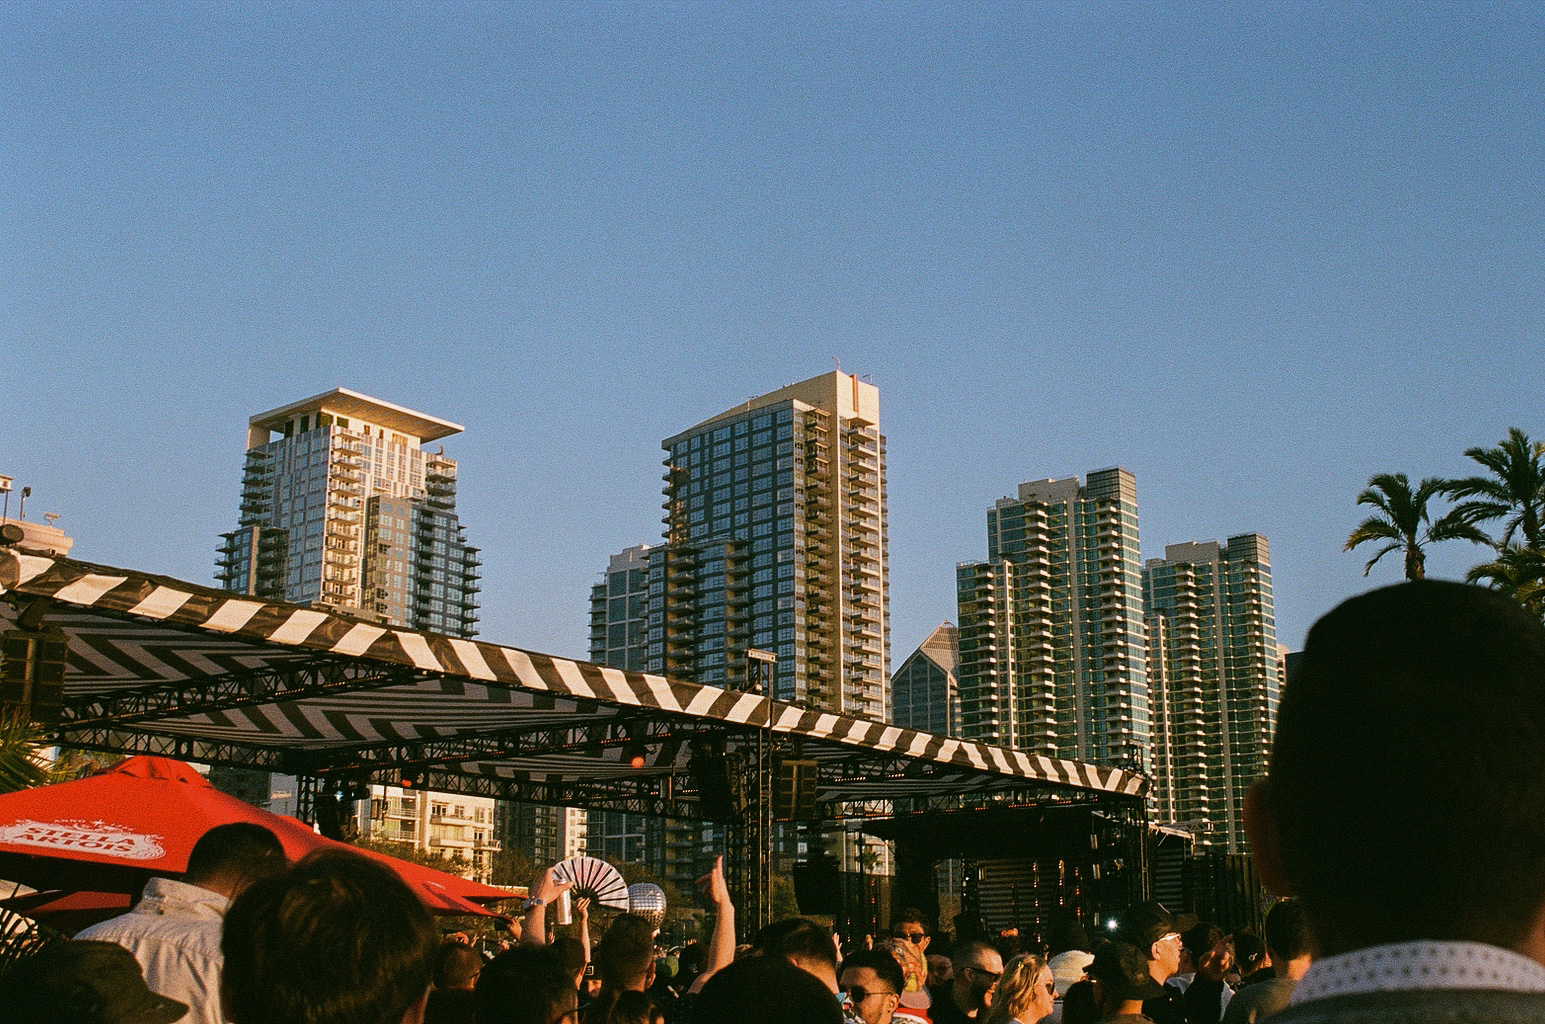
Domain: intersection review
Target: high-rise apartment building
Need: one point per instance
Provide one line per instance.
(343, 507)
(1051, 635)
(925, 690)
(1214, 677)
(776, 540)
(619, 625)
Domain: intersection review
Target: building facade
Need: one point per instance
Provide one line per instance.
(457, 827)
(343, 507)
(776, 539)
(925, 690)
(1215, 676)
(1051, 635)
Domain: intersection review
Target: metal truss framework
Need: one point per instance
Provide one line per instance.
(313, 677)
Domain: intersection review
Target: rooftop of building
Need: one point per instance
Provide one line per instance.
(850, 397)
(352, 404)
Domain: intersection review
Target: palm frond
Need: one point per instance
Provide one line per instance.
(21, 762)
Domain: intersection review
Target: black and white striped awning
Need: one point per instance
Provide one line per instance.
(154, 660)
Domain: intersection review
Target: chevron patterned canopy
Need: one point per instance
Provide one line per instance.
(160, 666)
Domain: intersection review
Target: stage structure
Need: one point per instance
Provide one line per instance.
(124, 661)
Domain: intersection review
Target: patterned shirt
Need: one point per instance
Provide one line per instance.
(1420, 965)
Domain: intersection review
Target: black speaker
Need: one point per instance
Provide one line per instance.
(32, 673)
(818, 886)
(794, 790)
(719, 796)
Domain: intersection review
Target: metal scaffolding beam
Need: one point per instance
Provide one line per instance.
(314, 677)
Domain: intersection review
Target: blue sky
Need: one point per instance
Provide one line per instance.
(1254, 253)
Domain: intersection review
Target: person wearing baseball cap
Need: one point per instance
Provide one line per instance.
(83, 982)
(1123, 984)
(1156, 934)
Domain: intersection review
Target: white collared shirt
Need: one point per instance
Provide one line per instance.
(174, 932)
(1420, 965)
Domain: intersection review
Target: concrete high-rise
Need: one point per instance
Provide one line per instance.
(342, 507)
(619, 637)
(1052, 655)
(925, 690)
(1214, 676)
(776, 539)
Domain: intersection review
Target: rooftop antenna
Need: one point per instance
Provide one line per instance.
(53, 518)
(838, 361)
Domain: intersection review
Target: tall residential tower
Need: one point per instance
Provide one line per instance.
(1052, 655)
(1213, 668)
(342, 507)
(776, 540)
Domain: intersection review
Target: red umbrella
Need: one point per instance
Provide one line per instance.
(111, 831)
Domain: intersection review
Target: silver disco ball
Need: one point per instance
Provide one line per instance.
(647, 900)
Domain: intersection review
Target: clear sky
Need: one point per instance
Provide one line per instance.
(1253, 252)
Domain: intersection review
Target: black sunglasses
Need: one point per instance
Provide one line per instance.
(857, 993)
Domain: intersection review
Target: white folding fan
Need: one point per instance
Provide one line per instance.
(596, 879)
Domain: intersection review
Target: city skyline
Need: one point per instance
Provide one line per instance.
(1253, 256)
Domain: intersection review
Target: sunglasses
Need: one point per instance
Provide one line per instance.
(994, 975)
(916, 938)
(857, 993)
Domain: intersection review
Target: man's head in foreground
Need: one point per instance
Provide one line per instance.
(802, 943)
(977, 967)
(872, 981)
(624, 958)
(230, 857)
(766, 990)
(1406, 794)
(337, 939)
(527, 985)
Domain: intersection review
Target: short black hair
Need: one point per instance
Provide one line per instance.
(1201, 937)
(881, 963)
(570, 952)
(337, 939)
(523, 985)
(1287, 932)
(969, 949)
(456, 965)
(242, 851)
(798, 938)
(765, 990)
(1407, 779)
(623, 955)
(911, 915)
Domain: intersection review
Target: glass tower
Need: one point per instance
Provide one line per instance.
(925, 690)
(776, 540)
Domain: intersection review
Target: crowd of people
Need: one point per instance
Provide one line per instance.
(1400, 822)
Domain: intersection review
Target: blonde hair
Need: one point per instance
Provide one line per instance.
(1016, 988)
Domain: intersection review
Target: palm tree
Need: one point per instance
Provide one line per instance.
(21, 743)
(1518, 572)
(1514, 489)
(1404, 522)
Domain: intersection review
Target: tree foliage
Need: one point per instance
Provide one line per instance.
(1513, 491)
(22, 765)
(1510, 494)
(1403, 521)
